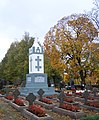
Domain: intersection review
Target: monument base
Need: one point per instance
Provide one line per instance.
(34, 82)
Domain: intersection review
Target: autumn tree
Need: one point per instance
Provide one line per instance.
(94, 70)
(52, 73)
(69, 45)
(94, 13)
(94, 17)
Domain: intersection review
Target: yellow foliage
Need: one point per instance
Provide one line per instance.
(72, 37)
(66, 78)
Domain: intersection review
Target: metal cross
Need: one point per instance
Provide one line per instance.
(38, 64)
(85, 95)
(31, 98)
(61, 97)
(41, 92)
(16, 93)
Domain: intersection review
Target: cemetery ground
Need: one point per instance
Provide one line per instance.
(7, 112)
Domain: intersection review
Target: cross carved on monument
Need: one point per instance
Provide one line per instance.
(31, 64)
(38, 64)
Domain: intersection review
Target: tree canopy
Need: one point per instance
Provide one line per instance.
(69, 46)
(14, 66)
(94, 13)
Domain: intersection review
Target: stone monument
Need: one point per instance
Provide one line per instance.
(36, 79)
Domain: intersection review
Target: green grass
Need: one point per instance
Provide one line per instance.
(91, 117)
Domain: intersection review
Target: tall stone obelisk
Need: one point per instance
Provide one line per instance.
(36, 78)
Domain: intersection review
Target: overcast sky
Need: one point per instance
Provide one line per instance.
(35, 17)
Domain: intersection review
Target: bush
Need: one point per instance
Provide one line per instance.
(37, 110)
(70, 107)
(96, 117)
(9, 97)
(68, 100)
(19, 102)
(45, 100)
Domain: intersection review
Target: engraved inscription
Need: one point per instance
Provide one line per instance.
(28, 79)
(39, 79)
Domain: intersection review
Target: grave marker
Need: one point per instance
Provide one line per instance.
(7, 91)
(16, 93)
(85, 95)
(61, 97)
(23, 83)
(87, 87)
(41, 92)
(90, 87)
(17, 82)
(31, 98)
(94, 91)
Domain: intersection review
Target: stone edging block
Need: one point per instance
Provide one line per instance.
(74, 115)
(90, 107)
(6, 100)
(17, 107)
(47, 106)
(31, 116)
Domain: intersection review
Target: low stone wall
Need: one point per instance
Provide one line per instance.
(90, 107)
(74, 115)
(47, 106)
(6, 100)
(31, 116)
(17, 107)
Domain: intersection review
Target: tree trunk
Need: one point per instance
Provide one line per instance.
(82, 76)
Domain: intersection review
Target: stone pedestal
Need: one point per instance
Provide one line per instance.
(34, 82)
